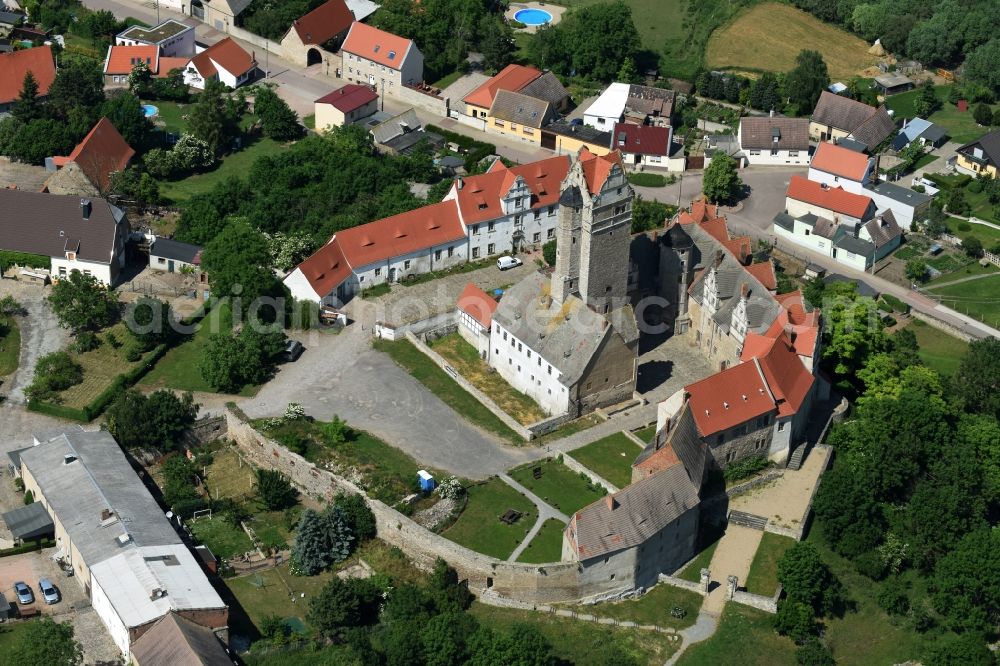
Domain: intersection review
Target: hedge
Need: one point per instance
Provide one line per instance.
(29, 547)
(8, 259)
(477, 150)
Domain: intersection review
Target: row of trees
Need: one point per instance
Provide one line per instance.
(796, 91)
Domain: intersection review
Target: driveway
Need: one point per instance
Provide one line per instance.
(29, 568)
(40, 333)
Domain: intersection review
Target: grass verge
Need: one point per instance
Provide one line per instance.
(610, 458)
(692, 571)
(558, 485)
(763, 576)
(547, 545)
(976, 298)
(654, 607)
(10, 346)
(746, 635)
(938, 350)
(479, 527)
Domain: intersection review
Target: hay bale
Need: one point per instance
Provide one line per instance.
(877, 49)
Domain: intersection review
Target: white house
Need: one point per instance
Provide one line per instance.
(834, 203)
(906, 205)
(647, 146)
(380, 59)
(608, 108)
(769, 140)
(166, 254)
(837, 166)
(224, 61)
(75, 234)
(173, 38)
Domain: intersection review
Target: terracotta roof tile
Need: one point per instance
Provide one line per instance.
(787, 377)
(511, 77)
(597, 168)
(479, 197)
(228, 54)
(840, 161)
(102, 152)
(764, 272)
(350, 97)
(170, 63)
(478, 304)
(121, 59)
(324, 23)
(729, 398)
(835, 199)
(401, 234)
(326, 269)
(14, 65)
(377, 45)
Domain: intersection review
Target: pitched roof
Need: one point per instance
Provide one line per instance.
(649, 101)
(789, 380)
(840, 161)
(168, 248)
(546, 87)
(903, 195)
(835, 199)
(47, 224)
(883, 229)
(759, 132)
(176, 641)
(326, 268)
(764, 272)
(597, 168)
(14, 65)
(28, 521)
(350, 97)
(324, 23)
(406, 121)
(121, 59)
(634, 514)
(401, 234)
(876, 129)
(479, 196)
(728, 398)
(478, 304)
(641, 139)
(227, 54)
(102, 152)
(841, 112)
(676, 443)
(377, 45)
(512, 77)
(522, 109)
(990, 146)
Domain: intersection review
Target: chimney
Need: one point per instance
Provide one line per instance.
(610, 501)
(85, 208)
(459, 183)
(744, 290)
(771, 114)
(68, 458)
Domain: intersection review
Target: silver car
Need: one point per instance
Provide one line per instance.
(24, 593)
(48, 590)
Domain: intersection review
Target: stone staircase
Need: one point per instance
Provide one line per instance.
(747, 520)
(798, 455)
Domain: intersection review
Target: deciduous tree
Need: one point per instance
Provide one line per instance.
(721, 182)
(977, 382)
(967, 582)
(81, 303)
(45, 642)
(158, 420)
(807, 80)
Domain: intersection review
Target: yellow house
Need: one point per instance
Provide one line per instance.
(511, 77)
(344, 106)
(980, 156)
(567, 139)
(517, 115)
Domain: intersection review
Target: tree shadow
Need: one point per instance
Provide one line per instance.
(652, 374)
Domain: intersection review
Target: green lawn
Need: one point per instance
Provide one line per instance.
(938, 350)
(178, 369)
(763, 576)
(692, 571)
(961, 126)
(479, 527)
(746, 637)
(171, 116)
(271, 527)
(558, 485)
(647, 433)
(610, 458)
(580, 642)
(547, 544)
(466, 360)
(309, 121)
(448, 79)
(976, 298)
(987, 235)
(9, 632)
(966, 271)
(267, 593)
(443, 386)
(10, 346)
(101, 366)
(233, 165)
(228, 477)
(653, 607)
(647, 179)
(222, 537)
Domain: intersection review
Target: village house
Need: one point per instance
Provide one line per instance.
(906, 205)
(518, 115)
(834, 203)
(566, 138)
(317, 36)
(646, 146)
(836, 117)
(172, 38)
(381, 59)
(224, 61)
(120, 60)
(981, 156)
(174, 640)
(344, 106)
(924, 131)
(772, 141)
(128, 558)
(76, 234)
(837, 166)
(630, 103)
(402, 133)
(518, 102)
(475, 318)
(88, 169)
(166, 254)
(16, 64)
(219, 14)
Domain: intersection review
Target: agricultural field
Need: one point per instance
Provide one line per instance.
(769, 36)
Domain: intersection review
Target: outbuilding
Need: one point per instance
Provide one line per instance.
(166, 254)
(344, 106)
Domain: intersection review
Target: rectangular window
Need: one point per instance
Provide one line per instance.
(505, 335)
(552, 211)
(529, 132)
(781, 426)
(378, 271)
(437, 255)
(550, 234)
(793, 153)
(538, 215)
(550, 369)
(451, 250)
(361, 278)
(491, 248)
(754, 152)
(529, 356)
(519, 347)
(513, 126)
(537, 237)
(490, 225)
(498, 123)
(475, 253)
(475, 229)
(406, 265)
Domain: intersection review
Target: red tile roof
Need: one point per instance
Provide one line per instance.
(324, 23)
(478, 304)
(596, 168)
(701, 211)
(228, 54)
(102, 152)
(835, 199)
(14, 65)
(479, 196)
(663, 458)
(168, 63)
(350, 97)
(401, 234)
(706, 217)
(377, 45)
(764, 272)
(840, 161)
(641, 139)
(511, 77)
(326, 269)
(729, 398)
(787, 377)
(121, 59)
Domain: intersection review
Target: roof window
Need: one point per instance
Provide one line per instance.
(392, 55)
(377, 47)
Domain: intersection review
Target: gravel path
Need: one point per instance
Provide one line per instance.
(545, 511)
(40, 333)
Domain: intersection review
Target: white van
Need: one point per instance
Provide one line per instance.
(505, 262)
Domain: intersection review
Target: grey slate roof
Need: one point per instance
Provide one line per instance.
(168, 248)
(45, 223)
(901, 194)
(851, 144)
(785, 221)
(934, 133)
(29, 522)
(521, 109)
(635, 514)
(875, 129)
(546, 87)
(10, 18)
(883, 229)
(892, 80)
(990, 145)
(566, 336)
(855, 245)
(824, 227)
(176, 641)
(649, 101)
(100, 478)
(404, 143)
(394, 126)
(758, 133)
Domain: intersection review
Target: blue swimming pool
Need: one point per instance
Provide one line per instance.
(149, 110)
(533, 16)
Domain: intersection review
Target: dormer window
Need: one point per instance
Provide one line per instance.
(392, 55)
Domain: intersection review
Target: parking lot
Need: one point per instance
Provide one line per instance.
(29, 567)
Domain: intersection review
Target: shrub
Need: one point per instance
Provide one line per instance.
(274, 489)
(965, 226)
(54, 372)
(744, 468)
(29, 497)
(8, 259)
(871, 565)
(549, 252)
(892, 597)
(133, 354)
(86, 341)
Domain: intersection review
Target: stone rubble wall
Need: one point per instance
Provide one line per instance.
(758, 601)
(572, 463)
(674, 581)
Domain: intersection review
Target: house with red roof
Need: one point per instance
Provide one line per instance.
(841, 167)
(648, 146)
(16, 64)
(316, 37)
(517, 101)
(381, 59)
(344, 106)
(475, 318)
(224, 61)
(88, 169)
(120, 60)
(829, 201)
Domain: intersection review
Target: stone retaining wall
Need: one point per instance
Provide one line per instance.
(758, 601)
(572, 463)
(942, 326)
(674, 581)
(436, 105)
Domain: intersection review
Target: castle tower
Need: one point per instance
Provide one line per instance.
(676, 264)
(566, 278)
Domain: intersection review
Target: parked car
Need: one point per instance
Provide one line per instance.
(293, 349)
(24, 593)
(48, 590)
(505, 262)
